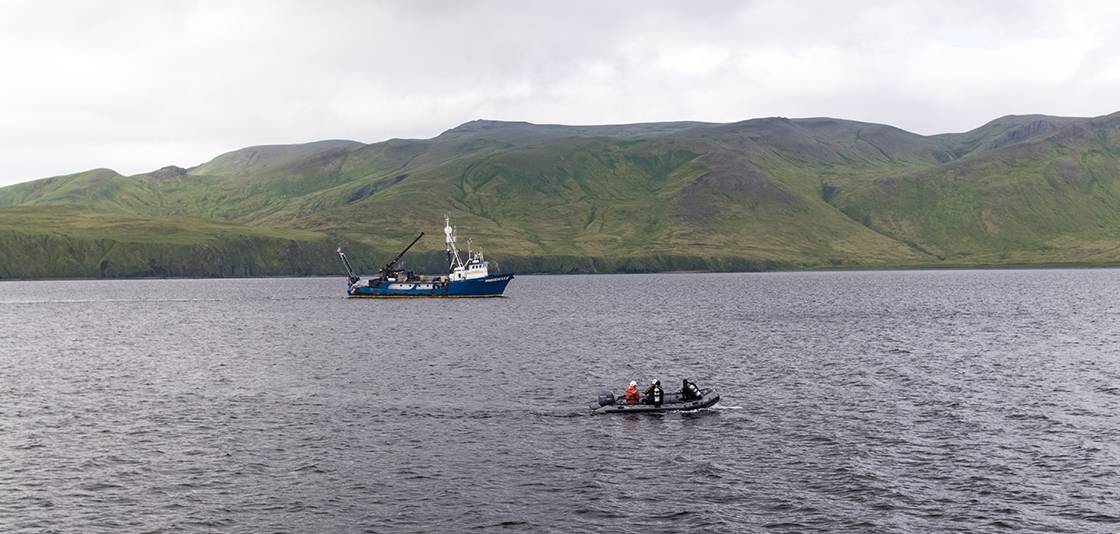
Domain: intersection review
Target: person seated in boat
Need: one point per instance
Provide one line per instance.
(654, 394)
(631, 394)
(690, 391)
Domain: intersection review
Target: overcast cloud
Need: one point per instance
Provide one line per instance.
(134, 86)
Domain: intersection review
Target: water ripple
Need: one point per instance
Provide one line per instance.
(964, 401)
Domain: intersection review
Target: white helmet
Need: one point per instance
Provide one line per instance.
(634, 383)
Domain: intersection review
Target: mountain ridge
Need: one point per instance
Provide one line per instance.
(760, 193)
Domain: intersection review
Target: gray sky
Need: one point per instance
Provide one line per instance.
(134, 86)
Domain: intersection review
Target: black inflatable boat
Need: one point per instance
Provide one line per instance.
(608, 403)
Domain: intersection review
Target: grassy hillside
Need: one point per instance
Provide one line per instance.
(757, 194)
(1039, 191)
(58, 242)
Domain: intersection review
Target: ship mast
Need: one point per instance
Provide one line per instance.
(452, 252)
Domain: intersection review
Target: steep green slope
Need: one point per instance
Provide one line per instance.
(45, 242)
(762, 193)
(1038, 192)
(618, 198)
(98, 189)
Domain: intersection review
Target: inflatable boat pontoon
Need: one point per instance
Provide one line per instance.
(608, 403)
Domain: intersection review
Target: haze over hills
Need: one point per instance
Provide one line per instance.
(757, 194)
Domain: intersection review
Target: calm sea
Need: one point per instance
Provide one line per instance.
(972, 401)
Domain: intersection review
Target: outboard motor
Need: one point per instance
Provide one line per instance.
(606, 398)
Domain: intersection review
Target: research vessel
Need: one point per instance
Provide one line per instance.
(470, 278)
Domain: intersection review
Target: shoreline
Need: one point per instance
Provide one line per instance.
(823, 269)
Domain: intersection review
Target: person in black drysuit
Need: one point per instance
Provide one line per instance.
(654, 394)
(690, 391)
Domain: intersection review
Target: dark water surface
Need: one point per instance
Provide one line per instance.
(863, 402)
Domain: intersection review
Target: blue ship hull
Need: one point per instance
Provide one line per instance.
(490, 286)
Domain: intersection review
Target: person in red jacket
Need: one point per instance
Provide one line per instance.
(631, 394)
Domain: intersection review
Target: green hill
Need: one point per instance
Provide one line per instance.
(757, 194)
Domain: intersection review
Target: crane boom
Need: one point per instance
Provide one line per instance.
(349, 270)
(389, 266)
